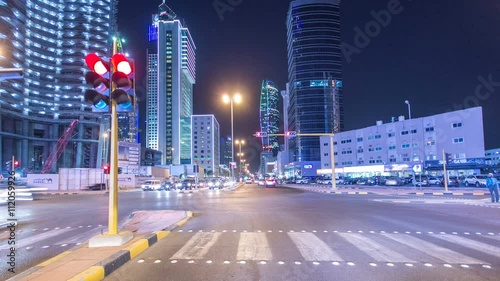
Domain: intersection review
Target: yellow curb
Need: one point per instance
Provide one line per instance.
(478, 193)
(457, 193)
(95, 273)
(437, 193)
(138, 247)
(49, 261)
(189, 214)
(363, 192)
(182, 222)
(351, 192)
(419, 193)
(162, 234)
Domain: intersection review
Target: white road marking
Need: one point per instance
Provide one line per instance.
(374, 249)
(35, 238)
(472, 244)
(197, 247)
(433, 250)
(253, 246)
(84, 236)
(312, 248)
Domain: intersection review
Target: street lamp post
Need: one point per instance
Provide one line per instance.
(231, 100)
(411, 138)
(240, 154)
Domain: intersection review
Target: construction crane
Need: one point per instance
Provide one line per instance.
(62, 142)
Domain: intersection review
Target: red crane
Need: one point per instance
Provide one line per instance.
(59, 149)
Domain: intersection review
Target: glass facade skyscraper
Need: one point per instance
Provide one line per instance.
(171, 74)
(49, 39)
(269, 115)
(314, 73)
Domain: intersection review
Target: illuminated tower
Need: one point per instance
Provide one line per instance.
(269, 115)
(49, 39)
(171, 74)
(314, 73)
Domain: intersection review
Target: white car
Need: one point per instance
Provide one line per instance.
(477, 180)
(151, 185)
(302, 181)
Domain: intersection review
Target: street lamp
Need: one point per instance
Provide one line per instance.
(231, 100)
(411, 138)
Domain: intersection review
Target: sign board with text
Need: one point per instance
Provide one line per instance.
(49, 181)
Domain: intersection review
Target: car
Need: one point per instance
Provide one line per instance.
(97, 186)
(188, 184)
(270, 182)
(421, 181)
(151, 185)
(452, 182)
(166, 185)
(434, 181)
(394, 181)
(248, 181)
(476, 180)
(302, 181)
(261, 182)
(215, 184)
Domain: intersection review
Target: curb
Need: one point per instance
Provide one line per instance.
(104, 268)
(450, 193)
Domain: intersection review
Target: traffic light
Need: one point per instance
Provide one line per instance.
(261, 134)
(123, 77)
(106, 168)
(98, 78)
(448, 157)
(291, 134)
(17, 163)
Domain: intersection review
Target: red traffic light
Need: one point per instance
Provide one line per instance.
(106, 168)
(17, 163)
(97, 65)
(122, 64)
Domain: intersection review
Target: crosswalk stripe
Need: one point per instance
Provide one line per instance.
(197, 247)
(471, 244)
(82, 237)
(35, 238)
(432, 250)
(374, 249)
(312, 248)
(253, 246)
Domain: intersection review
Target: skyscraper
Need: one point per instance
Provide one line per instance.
(269, 115)
(314, 73)
(171, 74)
(49, 39)
(205, 143)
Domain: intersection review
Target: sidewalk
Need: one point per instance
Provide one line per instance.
(84, 263)
(402, 190)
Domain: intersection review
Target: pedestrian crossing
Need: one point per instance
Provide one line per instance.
(338, 247)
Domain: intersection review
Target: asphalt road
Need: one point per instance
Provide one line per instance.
(288, 234)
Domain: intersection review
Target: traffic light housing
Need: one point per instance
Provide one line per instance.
(17, 163)
(106, 168)
(123, 77)
(98, 78)
(449, 158)
(291, 134)
(261, 134)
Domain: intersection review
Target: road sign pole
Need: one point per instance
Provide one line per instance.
(445, 174)
(332, 158)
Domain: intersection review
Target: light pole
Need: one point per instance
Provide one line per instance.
(231, 100)
(240, 154)
(105, 136)
(411, 138)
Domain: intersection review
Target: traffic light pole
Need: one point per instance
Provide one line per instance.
(332, 151)
(113, 192)
(445, 174)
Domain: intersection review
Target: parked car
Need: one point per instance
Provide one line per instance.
(452, 182)
(302, 181)
(434, 181)
(270, 182)
(362, 181)
(394, 181)
(151, 185)
(376, 180)
(98, 186)
(477, 180)
(421, 181)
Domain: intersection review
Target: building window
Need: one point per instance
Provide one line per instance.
(325, 144)
(403, 133)
(415, 144)
(360, 139)
(414, 131)
(325, 154)
(378, 148)
(371, 149)
(457, 125)
(370, 137)
(406, 145)
(392, 147)
(361, 162)
(345, 141)
(430, 143)
(406, 159)
(391, 135)
(429, 129)
(360, 150)
(392, 160)
(461, 156)
(378, 136)
(458, 140)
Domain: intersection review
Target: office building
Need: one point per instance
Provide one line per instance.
(492, 156)
(205, 143)
(225, 149)
(269, 115)
(399, 146)
(314, 73)
(171, 74)
(49, 39)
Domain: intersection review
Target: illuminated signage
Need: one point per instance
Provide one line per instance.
(308, 167)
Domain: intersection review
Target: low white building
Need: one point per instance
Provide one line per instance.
(402, 144)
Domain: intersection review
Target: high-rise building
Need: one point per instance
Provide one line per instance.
(171, 74)
(49, 39)
(314, 73)
(205, 143)
(225, 149)
(269, 115)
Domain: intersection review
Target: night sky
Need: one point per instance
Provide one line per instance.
(431, 53)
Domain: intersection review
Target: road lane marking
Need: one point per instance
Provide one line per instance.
(253, 246)
(197, 247)
(472, 244)
(374, 249)
(433, 250)
(312, 248)
(36, 238)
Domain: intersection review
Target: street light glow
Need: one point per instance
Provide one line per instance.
(237, 98)
(226, 99)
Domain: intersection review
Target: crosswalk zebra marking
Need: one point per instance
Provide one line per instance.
(472, 244)
(433, 250)
(253, 246)
(312, 248)
(36, 238)
(197, 247)
(374, 249)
